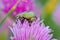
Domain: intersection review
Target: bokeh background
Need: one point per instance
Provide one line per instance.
(47, 10)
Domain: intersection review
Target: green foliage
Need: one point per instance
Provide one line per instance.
(3, 35)
(48, 21)
(42, 2)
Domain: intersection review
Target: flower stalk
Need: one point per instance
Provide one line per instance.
(9, 13)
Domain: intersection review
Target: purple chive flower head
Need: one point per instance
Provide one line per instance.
(37, 31)
(23, 5)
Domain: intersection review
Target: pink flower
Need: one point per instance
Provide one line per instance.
(37, 31)
(23, 5)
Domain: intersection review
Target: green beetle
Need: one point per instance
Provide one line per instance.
(27, 15)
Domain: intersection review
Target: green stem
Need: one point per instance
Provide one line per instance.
(5, 18)
(9, 13)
